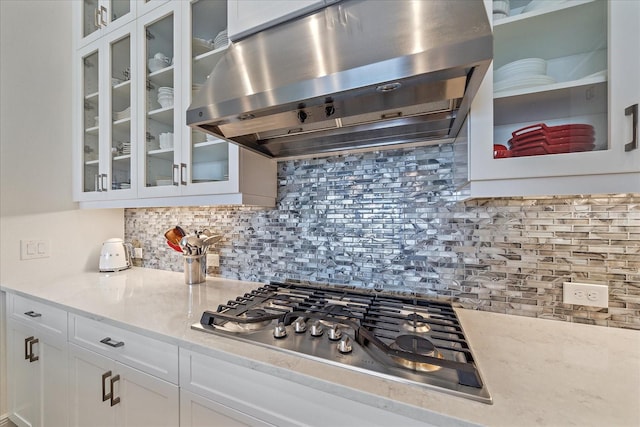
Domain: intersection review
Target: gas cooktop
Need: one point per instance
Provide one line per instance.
(403, 338)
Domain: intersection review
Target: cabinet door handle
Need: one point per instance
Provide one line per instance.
(103, 13)
(111, 343)
(105, 182)
(183, 173)
(176, 173)
(26, 347)
(106, 396)
(96, 20)
(112, 382)
(32, 358)
(32, 313)
(632, 111)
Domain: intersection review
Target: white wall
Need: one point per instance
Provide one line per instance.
(35, 152)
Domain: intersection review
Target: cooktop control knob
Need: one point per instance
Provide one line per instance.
(316, 329)
(299, 325)
(344, 346)
(335, 333)
(280, 331)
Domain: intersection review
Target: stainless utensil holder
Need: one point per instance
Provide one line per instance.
(195, 269)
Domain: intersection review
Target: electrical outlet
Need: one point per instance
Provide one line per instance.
(585, 294)
(213, 260)
(35, 248)
(137, 253)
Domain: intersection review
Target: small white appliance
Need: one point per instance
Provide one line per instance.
(115, 255)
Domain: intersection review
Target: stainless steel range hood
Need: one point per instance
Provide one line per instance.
(355, 74)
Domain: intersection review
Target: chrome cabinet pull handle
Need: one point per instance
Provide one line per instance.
(183, 171)
(32, 313)
(106, 396)
(111, 343)
(105, 182)
(33, 358)
(96, 21)
(103, 13)
(112, 382)
(26, 347)
(176, 178)
(632, 111)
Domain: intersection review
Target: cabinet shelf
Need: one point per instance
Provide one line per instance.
(93, 130)
(210, 151)
(560, 86)
(122, 88)
(92, 162)
(162, 115)
(545, 34)
(93, 97)
(163, 77)
(121, 122)
(123, 157)
(162, 153)
(203, 64)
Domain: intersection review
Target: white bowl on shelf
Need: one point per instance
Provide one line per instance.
(166, 140)
(156, 65)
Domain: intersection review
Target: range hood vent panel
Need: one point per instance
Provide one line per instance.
(351, 60)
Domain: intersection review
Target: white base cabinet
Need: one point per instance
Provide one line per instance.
(104, 392)
(244, 396)
(36, 364)
(198, 411)
(70, 370)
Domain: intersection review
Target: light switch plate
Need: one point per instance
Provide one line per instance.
(213, 260)
(35, 248)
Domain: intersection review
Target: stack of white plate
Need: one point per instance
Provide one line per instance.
(165, 97)
(200, 46)
(520, 74)
(126, 148)
(222, 39)
(124, 114)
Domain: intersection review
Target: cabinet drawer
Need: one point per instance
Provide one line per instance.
(275, 400)
(42, 316)
(146, 354)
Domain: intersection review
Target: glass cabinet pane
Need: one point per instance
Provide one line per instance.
(91, 125)
(121, 124)
(159, 111)
(90, 17)
(209, 155)
(119, 8)
(550, 78)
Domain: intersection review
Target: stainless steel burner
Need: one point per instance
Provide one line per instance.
(402, 338)
(416, 345)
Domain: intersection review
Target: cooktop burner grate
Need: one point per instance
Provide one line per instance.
(391, 332)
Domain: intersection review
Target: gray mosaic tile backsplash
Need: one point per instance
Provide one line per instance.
(392, 220)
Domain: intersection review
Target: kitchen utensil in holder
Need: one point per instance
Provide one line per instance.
(195, 269)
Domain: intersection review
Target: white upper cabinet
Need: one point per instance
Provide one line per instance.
(561, 101)
(132, 145)
(95, 18)
(250, 16)
(104, 129)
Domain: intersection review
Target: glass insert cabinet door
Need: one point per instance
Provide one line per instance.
(161, 104)
(209, 156)
(122, 130)
(98, 14)
(550, 78)
(91, 174)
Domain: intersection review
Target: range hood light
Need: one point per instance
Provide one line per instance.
(390, 87)
(247, 116)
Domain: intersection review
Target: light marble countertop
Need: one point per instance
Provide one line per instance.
(539, 372)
